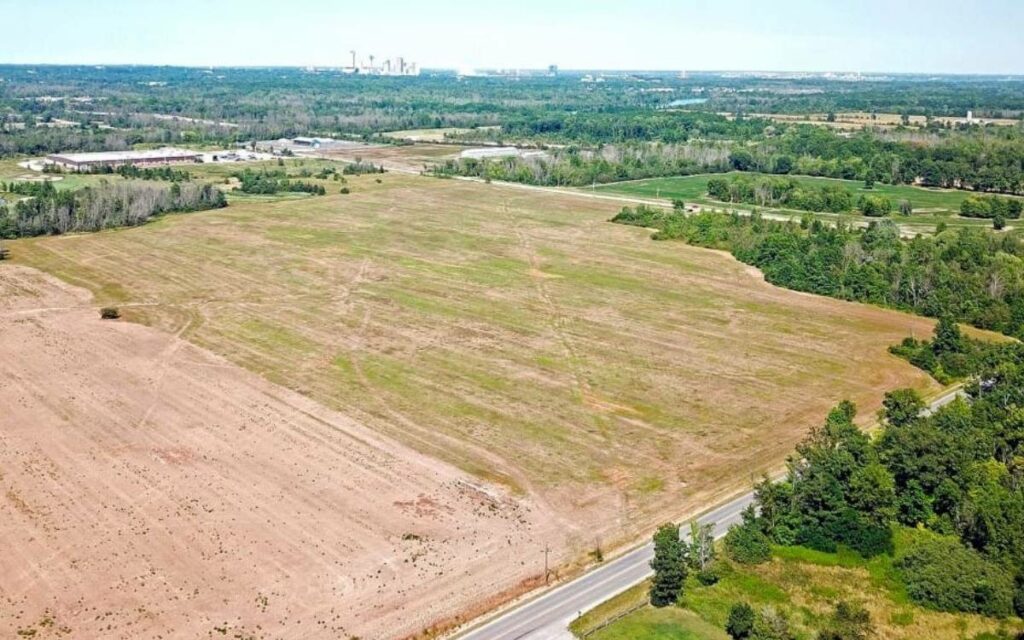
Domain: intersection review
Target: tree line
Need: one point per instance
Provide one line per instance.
(970, 275)
(268, 182)
(576, 166)
(781, 192)
(991, 207)
(121, 204)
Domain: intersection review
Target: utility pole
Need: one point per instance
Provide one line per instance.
(547, 550)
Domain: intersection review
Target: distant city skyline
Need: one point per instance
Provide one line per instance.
(872, 36)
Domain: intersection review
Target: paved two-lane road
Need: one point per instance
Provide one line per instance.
(547, 617)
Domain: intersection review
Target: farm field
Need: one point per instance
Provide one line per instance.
(802, 584)
(929, 205)
(150, 486)
(598, 383)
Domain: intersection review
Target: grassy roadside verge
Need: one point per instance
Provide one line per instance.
(802, 584)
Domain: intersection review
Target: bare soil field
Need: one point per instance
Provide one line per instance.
(605, 381)
(153, 489)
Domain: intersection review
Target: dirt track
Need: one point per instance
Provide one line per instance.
(149, 488)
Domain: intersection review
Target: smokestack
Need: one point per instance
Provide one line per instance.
(353, 58)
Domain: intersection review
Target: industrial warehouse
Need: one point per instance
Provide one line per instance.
(115, 159)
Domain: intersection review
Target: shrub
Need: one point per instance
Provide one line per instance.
(110, 313)
(941, 573)
(345, 191)
(741, 621)
(708, 577)
(991, 207)
(874, 206)
(747, 543)
(771, 624)
(848, 622)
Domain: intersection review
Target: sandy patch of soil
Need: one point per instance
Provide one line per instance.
(149, 488)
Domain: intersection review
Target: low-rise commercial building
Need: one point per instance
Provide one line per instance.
(115, 159)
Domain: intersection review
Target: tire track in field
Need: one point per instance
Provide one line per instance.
(556, 317)
(427, 438)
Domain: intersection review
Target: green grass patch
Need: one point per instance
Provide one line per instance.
(930, 205)
(669, 623)
(801, 583)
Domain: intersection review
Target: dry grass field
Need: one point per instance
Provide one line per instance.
(403, 158)
(599, 381)
(424, 135)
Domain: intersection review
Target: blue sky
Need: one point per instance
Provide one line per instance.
(864, 35)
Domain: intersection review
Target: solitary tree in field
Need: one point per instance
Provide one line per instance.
(669, 566)
(701, 550)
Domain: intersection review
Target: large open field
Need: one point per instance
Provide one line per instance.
(608, 381)
(152, 489)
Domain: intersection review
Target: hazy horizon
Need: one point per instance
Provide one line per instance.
(794, 36)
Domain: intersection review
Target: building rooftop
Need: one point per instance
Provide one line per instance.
(124, 156)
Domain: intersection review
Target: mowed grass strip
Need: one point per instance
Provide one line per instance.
(514, 333)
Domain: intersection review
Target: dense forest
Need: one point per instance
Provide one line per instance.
(968, 274)
(108, 205)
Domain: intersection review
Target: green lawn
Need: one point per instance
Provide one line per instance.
(670, 623)
(930, 205)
